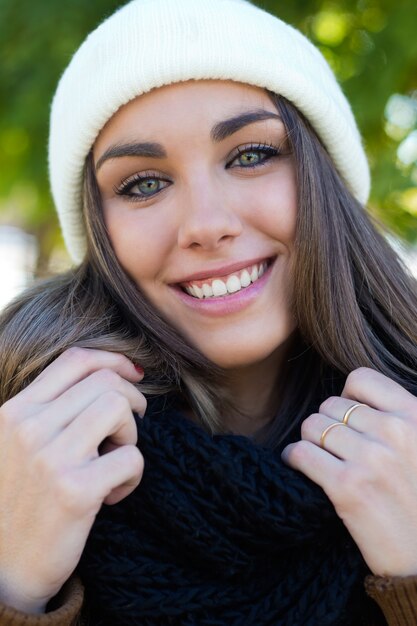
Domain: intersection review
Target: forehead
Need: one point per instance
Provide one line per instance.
(184, 104)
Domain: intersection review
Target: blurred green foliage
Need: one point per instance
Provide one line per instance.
(371, 45)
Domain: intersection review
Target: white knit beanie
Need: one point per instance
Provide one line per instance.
(151, 43)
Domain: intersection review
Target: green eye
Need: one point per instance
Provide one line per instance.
(249, 158)
(148, 186)
(254, 156)
(141, 187)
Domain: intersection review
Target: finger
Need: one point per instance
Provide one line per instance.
(108, 417)
(341, 441)
(363, 419)
(74, 365)
(115, 474)
(317, 464)
(380, 392)
(81, 395)
(59, 414)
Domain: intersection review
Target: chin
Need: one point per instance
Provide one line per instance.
(244, 355)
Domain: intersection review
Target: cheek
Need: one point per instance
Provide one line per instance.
(274, 208)
(140, 242)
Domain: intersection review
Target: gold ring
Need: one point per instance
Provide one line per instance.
(350, 411)
(326, 430)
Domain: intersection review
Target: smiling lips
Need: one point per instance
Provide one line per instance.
(215, 287)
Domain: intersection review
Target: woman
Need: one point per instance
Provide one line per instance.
(210, 181)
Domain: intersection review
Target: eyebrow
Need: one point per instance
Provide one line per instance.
(224, 129)
(219, 132)
(146, 149)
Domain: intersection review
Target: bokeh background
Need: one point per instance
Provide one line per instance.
(370, 44)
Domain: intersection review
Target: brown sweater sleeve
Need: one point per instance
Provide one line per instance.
(63, 610)
(396, 596)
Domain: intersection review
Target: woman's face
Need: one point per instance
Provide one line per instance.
(199, 198)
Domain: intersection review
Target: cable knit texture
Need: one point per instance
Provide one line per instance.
(151, 43)
(221, 532)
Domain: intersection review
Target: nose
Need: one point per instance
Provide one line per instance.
(209, 218)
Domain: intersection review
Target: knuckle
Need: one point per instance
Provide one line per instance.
(357, 377)
(310, 424)
(141, 404)
(396, 431)
(305, 428)
(115, 401)
(70, 492)
(108, 378)
(134, 459)
(27, 435)
(45, 467)
(91, 357)
(129, 459)
(378, 460)
(299, 451)
(75, 353)
(328, 404)
(119, 359)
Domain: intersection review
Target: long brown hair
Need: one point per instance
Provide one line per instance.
(354, 303)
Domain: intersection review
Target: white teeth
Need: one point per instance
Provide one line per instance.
(207, 290)
(219, 288)
(198, 292)
(233, 284)
(245, 278)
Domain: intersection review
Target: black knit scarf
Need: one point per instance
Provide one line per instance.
(220, 533)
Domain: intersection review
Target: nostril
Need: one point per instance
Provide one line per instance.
(208, 228)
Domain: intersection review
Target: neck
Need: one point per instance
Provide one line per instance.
(254, 394)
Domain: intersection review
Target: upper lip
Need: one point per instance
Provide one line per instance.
(222, 270)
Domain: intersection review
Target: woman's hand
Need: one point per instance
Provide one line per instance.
(53, 480)
(368, 468)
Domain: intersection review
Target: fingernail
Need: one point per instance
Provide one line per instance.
(139, 369)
